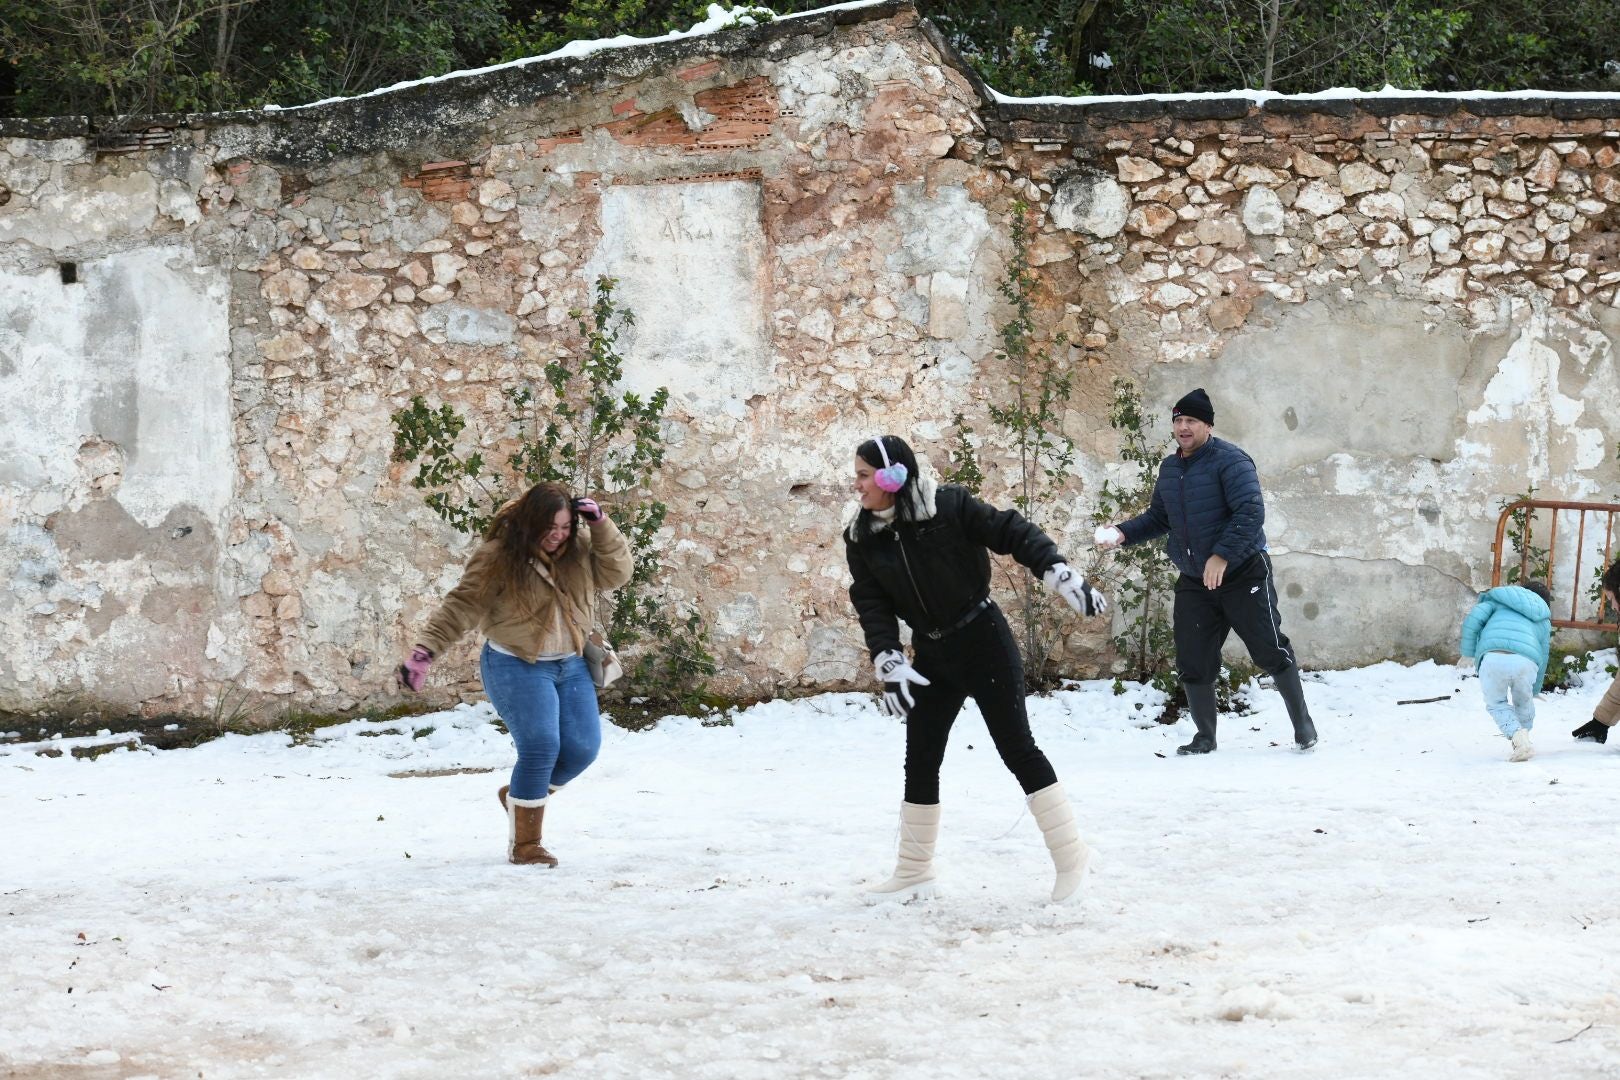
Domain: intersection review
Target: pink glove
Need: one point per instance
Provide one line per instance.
(413, 671)
(587, 509)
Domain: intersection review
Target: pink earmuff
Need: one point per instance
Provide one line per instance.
(892, 477)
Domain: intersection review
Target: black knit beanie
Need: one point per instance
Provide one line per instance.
(1197, 406)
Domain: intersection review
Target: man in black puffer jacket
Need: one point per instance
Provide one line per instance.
(1208, 505)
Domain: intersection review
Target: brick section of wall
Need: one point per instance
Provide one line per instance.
(698, 71)
(571, 137)
(442, 181)
(697, 178)
(724, 118)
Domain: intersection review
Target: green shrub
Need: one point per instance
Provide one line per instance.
(576, 428)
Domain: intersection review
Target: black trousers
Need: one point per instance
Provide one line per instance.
(980, 661)
(1245, 602)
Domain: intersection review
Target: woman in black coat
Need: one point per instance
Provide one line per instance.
(921, 553)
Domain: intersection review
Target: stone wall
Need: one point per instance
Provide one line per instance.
(1405, 309)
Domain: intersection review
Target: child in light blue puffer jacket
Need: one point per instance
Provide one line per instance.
(1509, 635)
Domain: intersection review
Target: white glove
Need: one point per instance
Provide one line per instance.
(897, 675)
(1465, 664)
(1072, 587)
(1107, 536)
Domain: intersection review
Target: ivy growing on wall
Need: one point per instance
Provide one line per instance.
(1141, 580)
(1030, 423)
(573, 426)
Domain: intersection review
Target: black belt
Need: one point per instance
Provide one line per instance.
(973, 613)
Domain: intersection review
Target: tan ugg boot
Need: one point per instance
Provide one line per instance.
(1070, 855)
(914, 871)
(524, 820)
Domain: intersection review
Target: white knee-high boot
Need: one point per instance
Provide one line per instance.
(1069, 853)
(914, 871)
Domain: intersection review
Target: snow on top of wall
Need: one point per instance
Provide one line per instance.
(1260, 97)
(718, 18)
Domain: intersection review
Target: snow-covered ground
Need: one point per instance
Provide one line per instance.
(1400, 902)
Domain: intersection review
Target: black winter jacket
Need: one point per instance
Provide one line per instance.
(934, 570)
(1209, 504)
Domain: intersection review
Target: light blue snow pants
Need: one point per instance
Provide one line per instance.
(1508, 682)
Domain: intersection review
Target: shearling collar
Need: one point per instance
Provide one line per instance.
(920, 501)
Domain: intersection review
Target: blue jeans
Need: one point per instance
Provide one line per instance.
(1506, 680)
(549, 707)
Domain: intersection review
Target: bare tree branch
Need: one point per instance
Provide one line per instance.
(1271, 21)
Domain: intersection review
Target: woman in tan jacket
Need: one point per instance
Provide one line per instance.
(531, 589)
(1607, 713)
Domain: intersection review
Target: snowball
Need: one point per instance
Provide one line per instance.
(1254, 1001)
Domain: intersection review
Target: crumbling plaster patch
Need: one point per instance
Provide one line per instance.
(120, 423)
(62, 216)
(942, 242)
(1398, 373)
(1527, 394)
(831, 88)
(691, 263)
(133, 354)
(1318, 596)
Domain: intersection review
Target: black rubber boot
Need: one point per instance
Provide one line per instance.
(1293, 696)
(1595, 730)
(1201, 703)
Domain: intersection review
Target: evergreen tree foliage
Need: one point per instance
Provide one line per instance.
(111, 57)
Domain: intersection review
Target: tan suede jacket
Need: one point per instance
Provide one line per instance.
(1608, 710)
(472, 604)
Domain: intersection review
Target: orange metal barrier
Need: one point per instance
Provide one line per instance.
(1575, 590)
